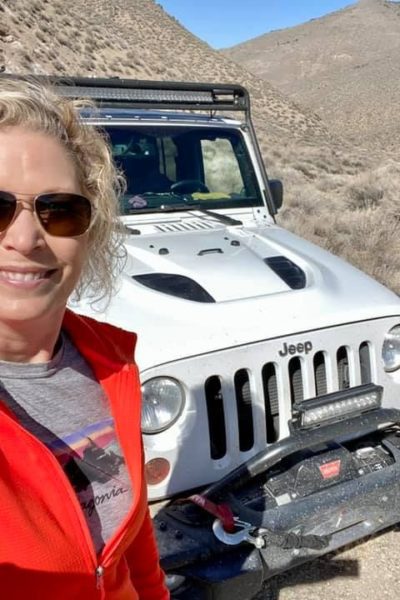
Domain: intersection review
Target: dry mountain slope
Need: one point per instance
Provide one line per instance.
(345, 66)
(336, 195)
(130, 38)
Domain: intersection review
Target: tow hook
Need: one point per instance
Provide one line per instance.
(243, 533)
(261, 537)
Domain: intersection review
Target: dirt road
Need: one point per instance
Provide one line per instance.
(368, 571)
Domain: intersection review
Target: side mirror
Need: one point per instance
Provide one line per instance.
(276, 187)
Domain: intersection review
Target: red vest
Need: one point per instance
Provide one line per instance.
(46, 551)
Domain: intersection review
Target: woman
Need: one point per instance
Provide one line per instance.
(74, 522)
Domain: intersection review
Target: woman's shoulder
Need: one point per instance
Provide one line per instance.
(86, 331)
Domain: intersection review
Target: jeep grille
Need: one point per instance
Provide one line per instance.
(312, 372)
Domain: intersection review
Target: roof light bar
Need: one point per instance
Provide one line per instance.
(336, 406)
(138, 93)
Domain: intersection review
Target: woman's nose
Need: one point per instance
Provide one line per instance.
(24, 234)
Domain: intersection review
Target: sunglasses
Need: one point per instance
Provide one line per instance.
(59, 214)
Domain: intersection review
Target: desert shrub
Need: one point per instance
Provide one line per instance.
(41, 36)
(4, 30)
(47, 27)
(306, 169)
(88, 64)
(62, 38)
(365, 195)
(35, 6)
(17, 18)
(58, 66)
(89, 47)
(46, 19)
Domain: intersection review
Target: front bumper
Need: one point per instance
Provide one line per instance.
(282, 489)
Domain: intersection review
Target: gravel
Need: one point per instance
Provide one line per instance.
(366, 571)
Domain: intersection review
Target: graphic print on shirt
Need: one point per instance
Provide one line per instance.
(92, 461)
(96, 464)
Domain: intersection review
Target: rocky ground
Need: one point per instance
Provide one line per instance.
(367, 571)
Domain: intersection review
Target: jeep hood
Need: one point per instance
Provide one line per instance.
(191, 292)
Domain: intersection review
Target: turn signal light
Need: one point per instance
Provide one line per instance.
(156, 470)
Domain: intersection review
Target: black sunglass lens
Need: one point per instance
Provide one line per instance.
(8, 205)
(64, 215)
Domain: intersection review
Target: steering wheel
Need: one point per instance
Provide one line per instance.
(189, 186)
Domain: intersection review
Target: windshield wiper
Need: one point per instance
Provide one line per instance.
(222, 218)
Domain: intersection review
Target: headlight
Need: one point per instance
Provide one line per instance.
(391, 349)
(162, 403)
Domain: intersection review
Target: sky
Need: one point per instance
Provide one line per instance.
(224, 23)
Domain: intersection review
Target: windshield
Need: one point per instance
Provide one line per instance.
(168, 166)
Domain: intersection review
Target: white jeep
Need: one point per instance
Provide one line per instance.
(270, 368)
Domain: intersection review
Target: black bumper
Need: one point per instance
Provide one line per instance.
(346, 509)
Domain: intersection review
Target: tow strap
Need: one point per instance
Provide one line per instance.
(223, 512)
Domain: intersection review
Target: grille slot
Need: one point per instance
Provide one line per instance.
(296, 380)
(320, 374)
(342, 360)
(271, 402)
(244, 410)
(365, 363)
(216, 417)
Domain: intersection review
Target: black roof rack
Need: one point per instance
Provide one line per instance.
(136, 93)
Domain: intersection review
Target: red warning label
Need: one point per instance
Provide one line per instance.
(330, 469)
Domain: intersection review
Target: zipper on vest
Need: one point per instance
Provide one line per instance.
(99, 579)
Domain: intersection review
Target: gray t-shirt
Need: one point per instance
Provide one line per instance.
(62, 404)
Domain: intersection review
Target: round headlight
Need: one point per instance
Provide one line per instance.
(162, 403)
(391, 349)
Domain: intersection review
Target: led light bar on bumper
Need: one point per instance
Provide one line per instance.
(336, 406)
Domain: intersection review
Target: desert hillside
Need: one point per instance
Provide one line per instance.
(339, 194)
(345, 66)
(129, 38)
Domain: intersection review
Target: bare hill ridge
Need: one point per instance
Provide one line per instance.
(340, 195)
(345, 66)
(130, 38)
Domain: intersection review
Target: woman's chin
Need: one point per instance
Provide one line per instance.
(34, 309)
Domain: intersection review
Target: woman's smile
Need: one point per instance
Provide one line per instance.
(26, 278)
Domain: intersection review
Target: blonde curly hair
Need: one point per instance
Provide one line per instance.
(37, 106)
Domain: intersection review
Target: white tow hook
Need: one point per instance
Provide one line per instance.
(243, 533)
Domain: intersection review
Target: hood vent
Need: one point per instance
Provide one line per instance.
(192, 225)
(288, 271)
(175, 285)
